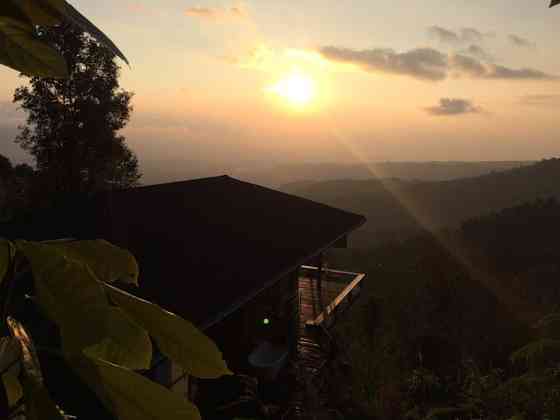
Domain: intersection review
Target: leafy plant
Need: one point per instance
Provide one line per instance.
(104, 332)
(20, 47)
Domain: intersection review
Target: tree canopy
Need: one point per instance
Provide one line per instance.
(72, 124)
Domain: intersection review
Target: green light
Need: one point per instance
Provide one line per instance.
(266, 321)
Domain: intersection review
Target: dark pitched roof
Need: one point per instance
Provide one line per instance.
(206, 246)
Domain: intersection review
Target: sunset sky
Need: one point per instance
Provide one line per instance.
(221, 83)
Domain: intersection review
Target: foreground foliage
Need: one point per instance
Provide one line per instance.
(104, 334)
(20, 47)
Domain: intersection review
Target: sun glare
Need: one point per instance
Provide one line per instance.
(297, 88)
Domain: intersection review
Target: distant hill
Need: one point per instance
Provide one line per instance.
(393, 205)
(280, 175)
(517, 238)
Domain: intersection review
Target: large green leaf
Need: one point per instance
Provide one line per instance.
(38, 403)
(177, 338)
(10, 367)
(7, 252)
(131, 396)
(30, 360)
(126, 344)
(9, 9)
(71, 295)
(21, 50)
(42, 12)
(10, 355)
(14, 391)
(109, 262)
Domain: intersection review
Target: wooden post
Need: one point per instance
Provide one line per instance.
(320, 279)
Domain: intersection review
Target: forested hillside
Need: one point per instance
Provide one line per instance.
(279, 175)
(396, 208)
(436, 330)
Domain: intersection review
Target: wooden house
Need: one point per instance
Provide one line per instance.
(241, 261)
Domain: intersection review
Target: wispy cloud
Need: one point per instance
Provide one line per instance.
(502, 72)
(420, 63)
(462, 65)
(521, 42)
(453, 106)
(235, 12)
(477, 51)
(428, 64)
(444, 35)
(462, 36)
(474, 35)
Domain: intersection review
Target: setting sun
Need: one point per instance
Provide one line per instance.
(296, 88)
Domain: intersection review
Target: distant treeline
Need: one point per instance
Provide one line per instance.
(396, 209)
(302, 174)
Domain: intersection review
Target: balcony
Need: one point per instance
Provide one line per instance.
(324, 294)
(323, 297)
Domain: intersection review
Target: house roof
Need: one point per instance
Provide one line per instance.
(207, 246)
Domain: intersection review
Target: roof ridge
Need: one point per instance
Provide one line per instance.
(229, 178)
(296, 196)
(184, 181)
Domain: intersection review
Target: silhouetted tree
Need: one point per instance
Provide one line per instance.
(6, 167)
(15, 182)
(6, 171)
(23, 170)
(72, 123)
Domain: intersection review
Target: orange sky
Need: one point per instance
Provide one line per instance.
(399, 80)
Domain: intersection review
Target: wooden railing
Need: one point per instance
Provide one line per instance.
(347, 294)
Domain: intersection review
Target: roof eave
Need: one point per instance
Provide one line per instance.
(239, 303)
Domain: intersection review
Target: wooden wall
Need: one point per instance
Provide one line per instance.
(179, 380)
(239, 333)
